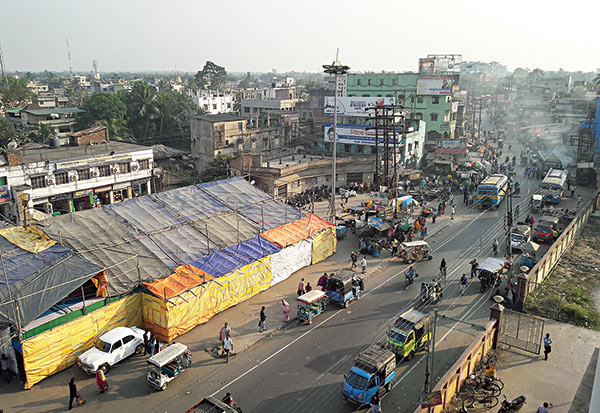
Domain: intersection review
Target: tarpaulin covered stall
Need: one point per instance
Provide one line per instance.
(291, 259)
(236, 193)
(190, 202)
(324, 244)
(271, 214)
(220, 263)
(227, 229)
(177, 314)
(253, 248)
(295, 231)
(183, 278)
(56, 349)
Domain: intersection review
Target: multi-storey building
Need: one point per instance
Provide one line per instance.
(214, 101)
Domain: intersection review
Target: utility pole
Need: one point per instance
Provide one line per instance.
(336, 69)
(69, 59)
(2, 68)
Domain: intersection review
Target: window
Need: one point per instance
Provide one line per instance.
(2, 180)
(124, 167)
(380, 82)
(419, 99)
(61, 178)
(346, 148)
(369, 82)
(434, 116)
(246, 110)
(214, 106)
(412, 99)
(83, 174)
(145, 164)
(394, 82)
(104, 170)
(38, 182)
(435, 100)
(117, 345)
(410, 147)
(418, 116)
(127, 339)
(357, 82)
(240, 126)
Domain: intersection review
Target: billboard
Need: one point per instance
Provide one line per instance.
(357, 134)
(5, 193)
(434, 86)
(354, 106)
(440, 64)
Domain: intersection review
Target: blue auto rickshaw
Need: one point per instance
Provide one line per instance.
(344, 287)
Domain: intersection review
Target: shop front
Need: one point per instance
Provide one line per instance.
(102, 195)
(63, 203)
(140, 187)
(5, 204)
(122, 192)
(83, 200)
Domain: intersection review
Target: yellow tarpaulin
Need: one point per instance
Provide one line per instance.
(56, 349)
(29, 238)
(170, 319)
(323, 245)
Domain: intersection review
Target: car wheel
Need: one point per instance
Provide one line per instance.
(163, 387)
(410, 355)
(139, 349)
(346, 304)
(105, 367)
(187, 362)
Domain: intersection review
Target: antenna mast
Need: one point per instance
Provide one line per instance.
(95, 66)
(69, 59)
(2, 68)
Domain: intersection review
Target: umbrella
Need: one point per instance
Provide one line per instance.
(476, 164)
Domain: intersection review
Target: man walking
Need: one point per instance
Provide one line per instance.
(463, 284)
(543, 408)
(376, 403)
(452, 211)
(363, 264)
(301, 287)
(353, 258)
(547, 346)
(72, 392)
(227, 347)
(261, 322)
(474, 266)
(572, 189)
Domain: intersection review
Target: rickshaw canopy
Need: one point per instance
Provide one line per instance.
(311, 296)
(167, 355)
(414, 244)
(491, 264)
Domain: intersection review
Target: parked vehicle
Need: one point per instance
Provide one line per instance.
(340, 231)
(521, 234)
(489, 272)
(513, 405)
(546, 229)
(212, 404)
(414, 251)
(344, 287)
(537, 202)
(529, 254)
(167, 364)
(112, 347)
(409, 334)
(311, 305)
(374, 370)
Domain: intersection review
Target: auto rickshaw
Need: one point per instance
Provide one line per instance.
(528, 257)
(489, 272)
(167, 364)
(537, 202)
(344, 287)
(311, 305)
(414, 251)
(409, 334)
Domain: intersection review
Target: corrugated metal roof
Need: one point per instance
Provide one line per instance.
(53, 111)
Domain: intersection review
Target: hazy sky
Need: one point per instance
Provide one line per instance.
(287, 35)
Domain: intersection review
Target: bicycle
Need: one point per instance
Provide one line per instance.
(489, 384)
(488, 400)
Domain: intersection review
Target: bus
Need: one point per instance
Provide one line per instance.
(553, 185)
(549, 161)
(492, 190)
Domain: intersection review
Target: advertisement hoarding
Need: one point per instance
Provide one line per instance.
(355, 106)
(444, 63)
(5, 193)
(434, 86)
(357, 134)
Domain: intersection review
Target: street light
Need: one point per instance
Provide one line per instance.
(336, 69)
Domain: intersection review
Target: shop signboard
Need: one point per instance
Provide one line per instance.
(440, 63)
(122, 185)
(5, 193)
(80, 194)
(137, 182)
(355, 106)
(434, 86)
(357, 134)
(60, 197)
(102, 189)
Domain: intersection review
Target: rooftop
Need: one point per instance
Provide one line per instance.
(221, 117)
(53, 111)
(46, 154)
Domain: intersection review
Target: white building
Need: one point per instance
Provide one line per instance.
(214, 101)
(329, 84)
(37, 180)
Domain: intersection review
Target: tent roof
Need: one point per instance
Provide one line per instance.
(271, 214)
(227, 229)
(254, 248)
(183, 278)
(235, 193)
(220, 263)
(296, 231)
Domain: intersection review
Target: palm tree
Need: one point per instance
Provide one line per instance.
(143, 98)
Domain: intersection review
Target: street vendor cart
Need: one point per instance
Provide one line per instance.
(311, 305)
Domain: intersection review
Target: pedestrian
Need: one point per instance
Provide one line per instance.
(363, 264)
(227, 347)
(323, 282)
(543, 408)
(572, 189)
(531, 222)
(151, 345)
(578, 202)
(451, 198)
(308, 287)
(5, 371)
(301, 287)
(73, 394)
(474, 266)
(463, 283)
(376, 403)
(223, 332)
(101, 381)
(423, 232)
(286, 310)
(433, 215)
(394, 246)
(443, 267)
(353, 258)
(156, 345)
(452, 211)
(547, 346)
(262, 320)
(146, 341)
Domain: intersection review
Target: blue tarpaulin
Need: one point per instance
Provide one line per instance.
(254, 248)
(220, 263)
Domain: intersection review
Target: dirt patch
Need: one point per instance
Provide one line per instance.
(572, 291)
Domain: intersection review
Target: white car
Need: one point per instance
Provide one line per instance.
(112, 347)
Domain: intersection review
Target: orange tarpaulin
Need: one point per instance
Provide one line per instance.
(183, 278)
(293, 232)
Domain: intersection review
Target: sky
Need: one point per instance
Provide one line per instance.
(286, 35)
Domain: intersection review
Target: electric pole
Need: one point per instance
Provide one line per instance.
(69, 59)
(2, 68)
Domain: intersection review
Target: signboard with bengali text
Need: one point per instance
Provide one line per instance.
(357, 134)
(434, 86)
(355, 106)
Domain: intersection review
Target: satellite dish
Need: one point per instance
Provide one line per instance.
(12, 145)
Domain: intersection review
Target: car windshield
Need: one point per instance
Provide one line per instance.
(356, 381)
(543, 230)
(397, 336)
(517, 237)
(102, 346)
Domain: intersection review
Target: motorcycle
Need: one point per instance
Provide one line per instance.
(513, 405)
(409, 279)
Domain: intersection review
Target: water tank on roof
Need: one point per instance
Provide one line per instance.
(54, 142)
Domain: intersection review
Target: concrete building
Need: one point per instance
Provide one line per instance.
(267, 99)
(61, 120)
(562, 85)
(287, 176)
(228, 134)
(329, 84)
(492, 68)
(214, 101)
(91, 171)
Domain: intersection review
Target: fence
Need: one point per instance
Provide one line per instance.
(527, 283)
(451, 382)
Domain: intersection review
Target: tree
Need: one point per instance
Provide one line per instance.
(536, 73)
(141, 108)
(14, 92)
(173, 110)
(45, 132)
(218, 168)
(8, 133)
(211, 76)
(596, 82)
(108, 110)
